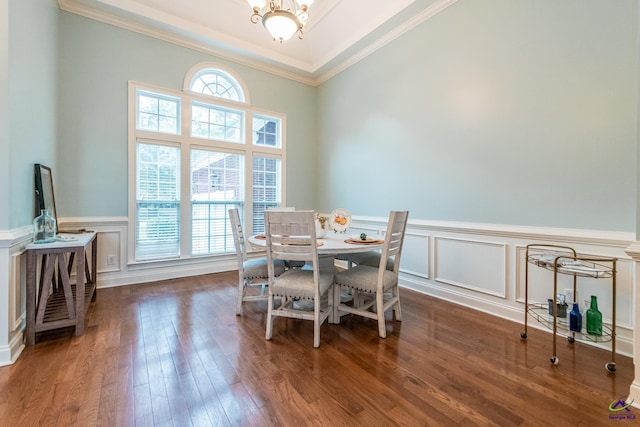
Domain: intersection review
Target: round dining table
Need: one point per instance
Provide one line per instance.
(330, 245)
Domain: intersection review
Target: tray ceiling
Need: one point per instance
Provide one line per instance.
(339, 32)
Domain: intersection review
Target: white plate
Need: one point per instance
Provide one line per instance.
(63, 238)
(340, 220)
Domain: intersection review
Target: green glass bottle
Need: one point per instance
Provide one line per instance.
(594, 318)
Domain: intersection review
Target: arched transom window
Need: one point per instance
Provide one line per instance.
(216, 82)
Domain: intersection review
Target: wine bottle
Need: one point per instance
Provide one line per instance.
(575, 318)
(594, 318)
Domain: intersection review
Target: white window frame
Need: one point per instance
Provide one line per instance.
(186, 143)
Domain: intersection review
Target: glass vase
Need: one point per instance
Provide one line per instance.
(594, 318)
(44, 227)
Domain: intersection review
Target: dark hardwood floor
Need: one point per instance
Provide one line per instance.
(173, 353)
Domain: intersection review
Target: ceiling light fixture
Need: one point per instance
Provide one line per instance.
(282, 18)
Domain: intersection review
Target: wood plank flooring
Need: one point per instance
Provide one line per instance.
(173, 353)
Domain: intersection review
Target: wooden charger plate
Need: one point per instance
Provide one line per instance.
(364, 242)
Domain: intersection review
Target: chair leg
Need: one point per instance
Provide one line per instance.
(316, 323)
(382, 329)
(269, 318)
(396, 307)
(356, 297)
(241, 283)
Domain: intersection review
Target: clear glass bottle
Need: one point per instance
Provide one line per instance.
(44, 227)
(575, 318)
(594, 318)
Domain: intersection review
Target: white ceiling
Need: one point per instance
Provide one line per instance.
(338, 34)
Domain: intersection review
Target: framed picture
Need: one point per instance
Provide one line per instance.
(44, 191)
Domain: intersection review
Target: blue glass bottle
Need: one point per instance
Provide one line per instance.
(575, 318)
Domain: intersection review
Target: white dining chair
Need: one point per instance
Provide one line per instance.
(292, 236)
(376, 287)
(249, 270)
(287, 262)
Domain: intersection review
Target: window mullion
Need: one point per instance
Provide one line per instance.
(248, 192)
(185, 217)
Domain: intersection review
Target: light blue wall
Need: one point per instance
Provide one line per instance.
(97, 61)
(4, 113)
(495, 111)
(31, 77)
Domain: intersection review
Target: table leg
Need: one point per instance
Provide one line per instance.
(80, 284)
(94, 267)
(334, 317)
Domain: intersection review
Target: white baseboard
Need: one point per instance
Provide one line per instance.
(10, 353)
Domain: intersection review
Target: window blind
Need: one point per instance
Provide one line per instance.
(157, 202)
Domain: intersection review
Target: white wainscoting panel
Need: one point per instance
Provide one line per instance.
(370, 231)
(109, 246)
(416, 254)
(471, 264)
(16, 296)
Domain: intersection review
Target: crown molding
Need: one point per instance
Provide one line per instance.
(418, 19)
(260, 59)
(173, 38)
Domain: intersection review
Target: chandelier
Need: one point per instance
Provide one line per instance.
(282, 18)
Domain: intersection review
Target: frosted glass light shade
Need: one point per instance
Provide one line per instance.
(281, 24)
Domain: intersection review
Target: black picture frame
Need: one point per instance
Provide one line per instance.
(45, 198)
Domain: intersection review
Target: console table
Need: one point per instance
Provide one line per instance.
(53, 302)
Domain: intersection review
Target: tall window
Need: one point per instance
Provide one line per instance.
(194, 155)
(266, 188)
(157, 202)
(216, 187)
